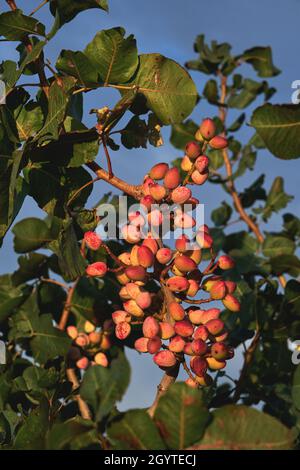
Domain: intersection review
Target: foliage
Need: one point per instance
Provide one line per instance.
(47, 398)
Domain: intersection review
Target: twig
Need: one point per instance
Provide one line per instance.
(83, 407)
(66, 311)
(168, 379)
(109, 167)
(130, 189)
(53, 281)
(38, 7)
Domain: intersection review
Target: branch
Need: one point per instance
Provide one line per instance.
(66, 311)
(168, 379)
(130, 189)
(83, 407)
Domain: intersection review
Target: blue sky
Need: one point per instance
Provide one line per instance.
(170, 27)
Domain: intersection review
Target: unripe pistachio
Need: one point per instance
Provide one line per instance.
(201, 164)
(191, 382)
(177, 344)
(147, 202)
(230, 286)
(193, 288)
(184, 328)
(186, 164)
(166, 330)
(146, 185)
(207, 129)
(225, 262)
(205, 381)
(136, 273)
(101, 359)
(198, 365)
(158, 192)
(172, 178)
(72, 332)
(184, 263)
(105, 342)
(198, 136)
(122, 278)
(192, 150)
(199, 178)
(196, 255)
(177, 272)
(213, 364)
(141, 345)
(122, 330)
(182, 243)
(199, 347)
(201, 333)
(218, 290)
(120, 316)
(82, 340)
(155, 218)
(145, 256)
(180, 195)
(151, 244)
(218, 142)
(204, 240)
(151, 327)
(208, 283)
(125, 258)
(165, 359)
(158, 171)
(183, 220)
(176, 311)
(92, 240)
(132, 307)
(154, 345)
(219, 351)
(164, 255)
(131, 233)
(89, 327)
(231, 303)
(188, 349)
(222, 337)
(177, 284)
(95, 337)
(215, 327)
(82, 363)
(136, 218)
(98, 269)
(143, 300)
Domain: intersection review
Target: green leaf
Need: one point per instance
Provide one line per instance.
(278, 126)
(102, 388)
(276, 245)
(31, 266)
(74, 434)
(285, 264)
(261, 60)
(10, 297)
(170, 91)
(15, 26)
(134, 430)
(30, 234)
(211, 91)
(181, 416)
(114, 57)
(29, 120)
(296, 388)
(135, 134)
(183, 133)
(66, 10)
(221, 215)
(238, 427)
(292, 296)
(277, 199)
(248, 93)
(78, 65)
(46, 341)
(31, 435)
(58, 102)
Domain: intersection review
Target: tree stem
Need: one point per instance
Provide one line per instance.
(168, 379)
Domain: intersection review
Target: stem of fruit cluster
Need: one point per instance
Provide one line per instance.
(83, 407)
(168, 379)
(66, 311)
(130, 189)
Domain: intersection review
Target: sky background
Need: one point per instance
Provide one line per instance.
(170, 27)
